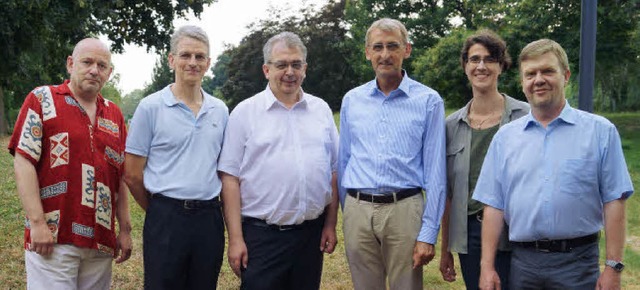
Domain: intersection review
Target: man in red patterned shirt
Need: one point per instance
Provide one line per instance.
(68, 144)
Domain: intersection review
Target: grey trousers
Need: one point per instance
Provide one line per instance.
(532, 269)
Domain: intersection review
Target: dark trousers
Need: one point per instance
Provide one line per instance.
(532, 269)
(470, 262)
(183, 247)
(280, 260)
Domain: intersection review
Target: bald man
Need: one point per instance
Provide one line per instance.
(68, 145)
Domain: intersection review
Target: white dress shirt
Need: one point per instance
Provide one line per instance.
(283, 157)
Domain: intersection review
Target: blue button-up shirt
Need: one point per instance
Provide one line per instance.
(181, 149)
(551, 183)
(395, 142)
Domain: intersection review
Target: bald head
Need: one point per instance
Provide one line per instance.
(91, 44)
(89, 67)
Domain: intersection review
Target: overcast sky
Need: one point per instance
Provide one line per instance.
(225, 22)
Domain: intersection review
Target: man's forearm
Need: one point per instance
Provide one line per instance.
(492, 224)
(232, 206)
(331, 210)
(615, 228)
(28, 189)
(122, 208)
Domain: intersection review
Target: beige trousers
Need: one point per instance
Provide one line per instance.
(69, 268)
(379, 241)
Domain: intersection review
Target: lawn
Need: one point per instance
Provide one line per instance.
(336, 272)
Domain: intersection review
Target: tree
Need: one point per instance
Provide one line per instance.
(520, 22)
(329, 73)
(130, 103)
(111, 92)
(162, 76)
(38, 35)
(425, 20)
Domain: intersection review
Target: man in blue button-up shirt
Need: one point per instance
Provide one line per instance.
(392, 147)
(556, 176)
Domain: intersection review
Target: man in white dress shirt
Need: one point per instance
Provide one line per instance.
(278, 167)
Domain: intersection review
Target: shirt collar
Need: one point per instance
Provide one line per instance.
(170, 99)
(270, 100)
(403, 87)
(567, 115)
(65, 90)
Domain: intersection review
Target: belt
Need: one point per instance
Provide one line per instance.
(560, 246)
(387, 197)
(190, 203)
(476, 216)
(263, 224)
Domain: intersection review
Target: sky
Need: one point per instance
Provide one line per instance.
(225, 22)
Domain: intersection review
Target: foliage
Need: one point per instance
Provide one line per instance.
(130, 103)
(425, 20)
(111, 92)
(439, 67)
(520, 22)
(37, 35)
(162, 76)
(238, 72)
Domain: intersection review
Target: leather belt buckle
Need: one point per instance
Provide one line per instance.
(189, 204)
(543, 245)
(479, 216)
(283, 228)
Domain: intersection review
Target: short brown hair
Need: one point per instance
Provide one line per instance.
(492, 42)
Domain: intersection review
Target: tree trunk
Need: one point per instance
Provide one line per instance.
(3, 115)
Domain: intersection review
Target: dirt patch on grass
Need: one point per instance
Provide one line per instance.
(633, 242)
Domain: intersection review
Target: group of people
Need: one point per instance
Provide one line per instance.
(523, 190)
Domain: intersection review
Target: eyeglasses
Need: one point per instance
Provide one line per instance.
(488, 59)
(379, 47)
(283, 65)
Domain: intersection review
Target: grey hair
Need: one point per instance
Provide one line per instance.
(191, 31)
(290, 39)
(388, 25)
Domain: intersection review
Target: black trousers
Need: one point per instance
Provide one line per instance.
(183, 247)
(470, 262)
(280, 260)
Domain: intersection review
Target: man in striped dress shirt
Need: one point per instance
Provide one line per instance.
(392, 147)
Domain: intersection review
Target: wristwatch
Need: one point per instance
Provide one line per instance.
(616, 265)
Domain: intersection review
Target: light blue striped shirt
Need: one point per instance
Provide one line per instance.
(552, 183)
(395, 142)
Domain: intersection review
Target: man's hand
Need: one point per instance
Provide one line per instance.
(609, 280)
(41, 239)
(124, 246)
(447, 267)
(423, 253)
(329, 239)
(238, 256)
(489, 279)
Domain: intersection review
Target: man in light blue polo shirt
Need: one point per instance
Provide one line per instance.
(175, 139)
(556, 176)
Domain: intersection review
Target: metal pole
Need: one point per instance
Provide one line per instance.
(588, 26)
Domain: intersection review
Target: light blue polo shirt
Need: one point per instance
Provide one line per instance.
(181, 150)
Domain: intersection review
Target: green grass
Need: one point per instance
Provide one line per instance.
(336, 271)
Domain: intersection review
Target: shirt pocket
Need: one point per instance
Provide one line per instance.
(454, 153)
(409, 140)
(578, 177)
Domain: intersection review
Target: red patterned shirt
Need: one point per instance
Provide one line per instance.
(79, 166)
